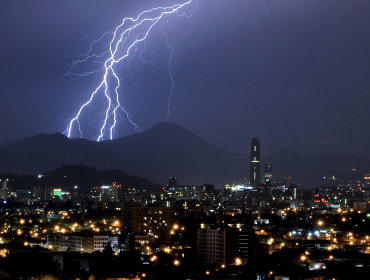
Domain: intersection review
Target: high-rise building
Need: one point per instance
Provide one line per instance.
(268, 173)
(228, 246)
(209, 246)
(255, 163)
(295, 196)
(172, 181)
(154, 221)
(43, 193)
(115, 192)
(127, 216)
(5, 189)
(288, 182)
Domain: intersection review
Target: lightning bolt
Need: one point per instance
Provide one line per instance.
(124, 44)
(169, 70)
(264, 5)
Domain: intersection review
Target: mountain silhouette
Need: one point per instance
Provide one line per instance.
(165, 150)
(85, 178)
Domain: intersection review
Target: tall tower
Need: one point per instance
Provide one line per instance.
(255, 163)
(268, 173)
(287, 182)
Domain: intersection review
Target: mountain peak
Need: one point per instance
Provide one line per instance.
(167, 127)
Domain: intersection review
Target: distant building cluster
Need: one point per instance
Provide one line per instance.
(226, 227)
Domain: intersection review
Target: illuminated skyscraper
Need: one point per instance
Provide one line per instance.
(268, 173)
(255, 163)
(4, 189)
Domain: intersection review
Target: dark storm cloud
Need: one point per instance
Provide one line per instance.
(296, 76)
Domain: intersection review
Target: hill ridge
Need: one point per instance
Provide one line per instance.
(165, 150)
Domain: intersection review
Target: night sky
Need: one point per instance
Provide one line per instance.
(295, 73)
